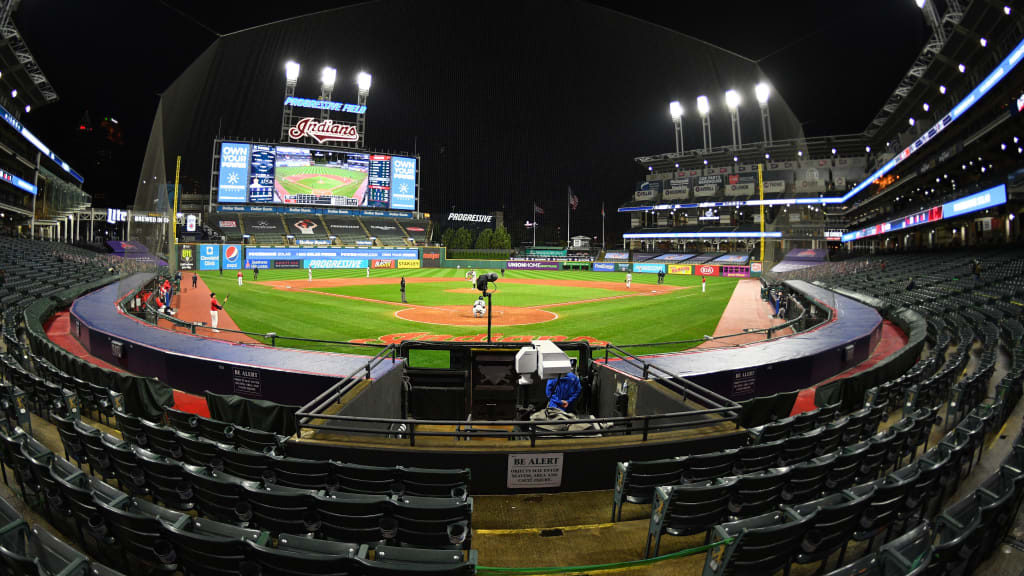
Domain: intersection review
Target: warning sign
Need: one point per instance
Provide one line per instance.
(535, 470)
(246, 381)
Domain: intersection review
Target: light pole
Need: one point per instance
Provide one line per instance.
(703, 108)
(291, 76)
(675, 109)
(762, 91)
(327, 77)
(363, 81)
(732, 102)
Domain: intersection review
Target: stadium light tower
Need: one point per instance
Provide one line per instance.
(327, 77)
(762, 91)
(291, 76)
(675, 109)
(363, 81)
(732, 102)
(931, 15)
(704, 109)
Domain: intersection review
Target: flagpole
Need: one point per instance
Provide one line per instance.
(568, 214)
(534, 223)
(602, 226)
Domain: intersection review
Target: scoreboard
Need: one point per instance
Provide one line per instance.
(379, 181)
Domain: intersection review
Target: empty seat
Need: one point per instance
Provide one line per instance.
(195, 449)
(800, 447)
(182, 421)
(778, 430)
(218, 495)
(908, 555)
(687, 509)
(759, 545)
(165, 479)
(436, 482)
(135, 524)
(836, 517)
(393, 561)
(635, 481)
(832, 436)
(758, 492)
(206, 547)
(757, 457)
(131, 429)
(256, 440)
(958, 537)
(299, 556)
(804, 422)
(708, 466)
(365, 479)
(74, 447)
(352, 517)
(807, 479)
(130, 476)
(36, 552)
(243, 463)
(887, 506)
(433, 522)
(846, 466)
(162, 440)
(301, 473)
(277, 509)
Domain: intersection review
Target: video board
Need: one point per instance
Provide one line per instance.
(995, 196)
(300, 175)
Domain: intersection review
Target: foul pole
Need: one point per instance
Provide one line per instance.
(760, 189)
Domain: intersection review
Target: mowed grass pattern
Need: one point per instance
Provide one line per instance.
(679, 315)
(312, 183)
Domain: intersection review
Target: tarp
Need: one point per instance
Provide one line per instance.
(259, 414)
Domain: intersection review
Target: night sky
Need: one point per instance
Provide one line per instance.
(834, 63)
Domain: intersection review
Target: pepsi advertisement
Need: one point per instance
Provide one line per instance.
(231, 257)
(209, 256)
(233, 178)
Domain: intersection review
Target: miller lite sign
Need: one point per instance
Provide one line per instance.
(323, 131)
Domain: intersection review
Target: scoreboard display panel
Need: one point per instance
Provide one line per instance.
(265, 173)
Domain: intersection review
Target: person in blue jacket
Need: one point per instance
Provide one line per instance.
(563, 391)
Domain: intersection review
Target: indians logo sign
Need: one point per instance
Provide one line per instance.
(326, 131)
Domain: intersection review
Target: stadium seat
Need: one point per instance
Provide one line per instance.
(195, 449)
(242, 463)
(394, 561)
(135, 525)
(700, 467)
(218, 495)
(687, 509)
(758, 492)
(846, 467)
(433, 522)
(256, 440)
(958, 536)
(352, 517)
(366, 479)
(131, 429)
(807, 479)
(301, 473)
(182, 421)
(760, 545)
(635, 481)
(204, 546)
(35, 552)
(757, 457)
(300, 556)
(125, 464)
(887, 506)
(836, 517)
(800, 447)
(435, 482)
(778, 430)
(277, 509)
(74, 448)
(805, 422)
(216, 430)
(162, 440)
(910, 554)
(165, 479)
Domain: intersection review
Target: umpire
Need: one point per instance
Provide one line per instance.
(403, 289)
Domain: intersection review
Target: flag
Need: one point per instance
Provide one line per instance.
(602, 209)
(537, 209)
(574, 200)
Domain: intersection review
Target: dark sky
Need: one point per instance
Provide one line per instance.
(834, 62)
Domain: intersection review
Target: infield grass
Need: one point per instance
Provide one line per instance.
(674, 316)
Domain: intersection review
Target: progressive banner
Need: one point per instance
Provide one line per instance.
(604, 267)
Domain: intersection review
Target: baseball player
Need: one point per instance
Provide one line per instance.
(479, 307)
(214, 307)
(239, 277)
(703, 284)
(310, 270)
(629, 279)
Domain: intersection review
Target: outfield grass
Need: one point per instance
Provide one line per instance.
(507, 294)
(679, 315)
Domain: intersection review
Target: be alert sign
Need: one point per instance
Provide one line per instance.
(535, 470)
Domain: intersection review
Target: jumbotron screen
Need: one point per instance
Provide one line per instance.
(260, 173)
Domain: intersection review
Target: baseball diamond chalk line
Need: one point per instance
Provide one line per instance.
(462, 315)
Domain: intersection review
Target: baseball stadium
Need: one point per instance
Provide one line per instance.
(799, 350)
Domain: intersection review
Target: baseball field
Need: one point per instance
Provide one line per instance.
(319, 180)
(345, 305)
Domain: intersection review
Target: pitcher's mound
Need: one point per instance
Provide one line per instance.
(463, 316)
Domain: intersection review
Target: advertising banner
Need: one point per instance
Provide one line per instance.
(261, 264)
(775, 187)
(645, 195)
(810, 186)
(735, 271)
(680, 269)
(431, 257)
(190, 222)
(231, 256)
(705, 270)
(755, 267)
(187, 257)
(533, 265)
(325, 263)
(604, 267)
(209, 256)
(383, 264)
(617, 255)
(705, 190)
(261, 173)
(343, 253)
(744, 189)
(233, 178)
(403, 183)
(408, 264)
(287, 264)
(681, 193)
(646, 268)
